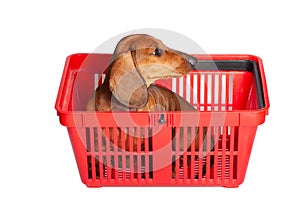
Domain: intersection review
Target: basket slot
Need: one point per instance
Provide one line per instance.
(98, 80)
(117, 160)
(139, 167)
(131, 156)
(233, 150)
(227, 92)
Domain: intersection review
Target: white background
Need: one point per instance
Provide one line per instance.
(37, 161)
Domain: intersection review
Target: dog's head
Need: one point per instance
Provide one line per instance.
(138, 61)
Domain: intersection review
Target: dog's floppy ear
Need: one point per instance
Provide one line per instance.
(126, 83)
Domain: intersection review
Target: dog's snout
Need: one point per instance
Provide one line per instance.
(190, 59)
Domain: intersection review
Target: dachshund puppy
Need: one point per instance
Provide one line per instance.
(137, 62)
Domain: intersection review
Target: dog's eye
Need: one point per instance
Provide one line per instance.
(157, 52)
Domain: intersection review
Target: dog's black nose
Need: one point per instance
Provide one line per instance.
(192, 60)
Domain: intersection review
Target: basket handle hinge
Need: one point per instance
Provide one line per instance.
(161, 119)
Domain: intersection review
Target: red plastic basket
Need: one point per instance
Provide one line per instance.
(230, 95)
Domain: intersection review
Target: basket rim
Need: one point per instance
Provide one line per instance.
(262, 111)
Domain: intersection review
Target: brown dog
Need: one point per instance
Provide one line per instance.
(138, 61)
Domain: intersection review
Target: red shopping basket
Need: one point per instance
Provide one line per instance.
(230, 95)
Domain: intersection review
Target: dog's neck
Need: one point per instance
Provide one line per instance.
(152, 73)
